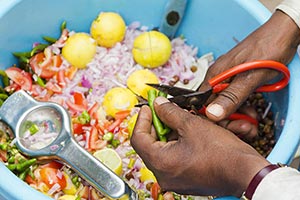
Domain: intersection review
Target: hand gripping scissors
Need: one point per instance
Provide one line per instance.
(195, 100)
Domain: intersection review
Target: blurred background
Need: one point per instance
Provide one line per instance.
(270, 4)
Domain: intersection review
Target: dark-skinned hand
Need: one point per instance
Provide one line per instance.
(200, 157)
(277, 40)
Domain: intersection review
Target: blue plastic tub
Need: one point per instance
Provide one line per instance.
(212, 25)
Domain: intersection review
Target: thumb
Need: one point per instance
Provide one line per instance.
(170, 114)
(229, 100)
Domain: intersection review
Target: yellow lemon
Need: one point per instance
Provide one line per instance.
(136, 82)
(108, 29)
(79, 50)
(67, 197)
(111, 159)
(131, 123)
(117, 99)
(147, 175)
(151, 49)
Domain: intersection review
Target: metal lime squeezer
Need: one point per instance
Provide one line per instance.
(20, 109)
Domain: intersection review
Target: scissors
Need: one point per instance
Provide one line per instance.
(20, 108)
(195, 100)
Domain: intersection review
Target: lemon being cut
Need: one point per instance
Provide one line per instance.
(118, 99)
(79, 49)
(108, 29)
(136, 82)
(151, 49)
(111, 159)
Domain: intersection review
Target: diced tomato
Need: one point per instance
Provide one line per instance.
(12, 87)
(155, 190)
(77, 128)
(54, 87)
(84, 192)
(56, 60)
(3, 155)
(50, 176)
(122, 114)
(53, 164)
(20, 77)
(114, 125)
(70, 72)
(74, 107)
(29, 179)
(93, 138)
(93, 141)
(61, 79)
(93, 110)
(79, 98)
(40, 65)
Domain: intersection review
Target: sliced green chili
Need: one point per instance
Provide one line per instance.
(37, 48)
(63, 26)
(131, 152)
(115, 143)
(23, 175)
(50, 40)
(11, 167)
(33, 129)
(131, 163)
(5, 78)
(26, 164)
(109, 136)
(26, 54)
(40, 81)
(84, 118)
(3, 96)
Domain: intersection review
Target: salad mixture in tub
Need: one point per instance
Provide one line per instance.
(99, 77)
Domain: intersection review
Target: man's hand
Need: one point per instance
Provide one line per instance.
(276, 40)
(200, 157)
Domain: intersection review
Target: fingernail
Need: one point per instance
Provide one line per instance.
(161, 100)
(216, 110)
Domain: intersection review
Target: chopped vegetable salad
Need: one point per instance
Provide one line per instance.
(99, 121)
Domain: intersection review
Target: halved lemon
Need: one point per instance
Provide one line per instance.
(111, 159)
(147, 175)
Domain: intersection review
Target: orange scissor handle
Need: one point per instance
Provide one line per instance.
(215, 82)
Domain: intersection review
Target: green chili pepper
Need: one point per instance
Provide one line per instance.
(51, 40)
(26, 54)
(11, 160)
(39, 47)
(33, 129)
(131, 163)
(160, 197)
(23, 59)
(109, 136)
(5, 78)
(63, 26)
(115, 143)
(23, 175)
(131, 152)
(3, 96)
(11, 167)
(84, 118)
(161, 131)
(75, 181)
(40, 81)
(4, 146)
(26, 164)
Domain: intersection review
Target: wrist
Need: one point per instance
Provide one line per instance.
(252, 164)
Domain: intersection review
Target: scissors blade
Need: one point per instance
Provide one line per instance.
(171, 90)
(193, 101)
(189, 101)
